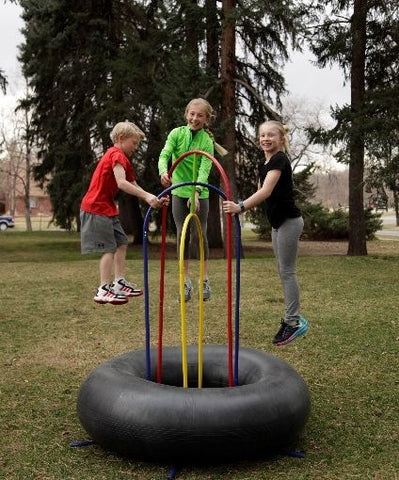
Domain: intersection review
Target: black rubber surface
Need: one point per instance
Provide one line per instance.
(125, 413)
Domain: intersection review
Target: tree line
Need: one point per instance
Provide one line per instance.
(91, 64)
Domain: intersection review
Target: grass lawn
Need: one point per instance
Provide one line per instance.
(53, 334)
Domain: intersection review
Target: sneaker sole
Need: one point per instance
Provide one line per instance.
(133, 294)
(112, 302)
(301, 331)
(185, 301)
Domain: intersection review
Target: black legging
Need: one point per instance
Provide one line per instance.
(180, 212)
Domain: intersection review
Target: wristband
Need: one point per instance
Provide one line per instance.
(241, 204)
(198, 190)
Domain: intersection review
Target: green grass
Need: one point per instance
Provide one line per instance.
(52, 335)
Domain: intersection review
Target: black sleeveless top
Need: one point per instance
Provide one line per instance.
(280, 205)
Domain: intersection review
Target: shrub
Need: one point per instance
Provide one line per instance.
(320, 223)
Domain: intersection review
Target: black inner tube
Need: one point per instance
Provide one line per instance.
(125, 412)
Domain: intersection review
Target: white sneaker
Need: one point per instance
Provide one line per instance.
(106, 295)
(188, 290)
(123, 287)
(206, 290)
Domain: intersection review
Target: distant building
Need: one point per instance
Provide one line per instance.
(12, 193)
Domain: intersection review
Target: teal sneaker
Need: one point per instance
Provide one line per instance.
(288, 333)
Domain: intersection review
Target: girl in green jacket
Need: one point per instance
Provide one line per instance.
(193, 136)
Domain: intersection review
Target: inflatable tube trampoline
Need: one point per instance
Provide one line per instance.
(125, 413)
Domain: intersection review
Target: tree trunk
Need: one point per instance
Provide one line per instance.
(396, 206)
(28, 168)
(357, 225)
(228, 100)
(192, 29)
(212, 38)
(215, 239)
(28, 219)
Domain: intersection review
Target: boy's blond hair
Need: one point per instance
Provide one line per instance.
(126, 129)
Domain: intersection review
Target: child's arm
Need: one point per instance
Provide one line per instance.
(256, 198)
(134, 189)
(164, 156)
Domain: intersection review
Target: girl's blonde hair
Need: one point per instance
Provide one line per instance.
(283, 130)
(126, 129)
(210, 115)
(207, 107)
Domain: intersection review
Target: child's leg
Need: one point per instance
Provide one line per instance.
(105, 294)
(203, 218)
(120, 285)
(180, 212)
(106, 263)
(285, 245)
(120, 261)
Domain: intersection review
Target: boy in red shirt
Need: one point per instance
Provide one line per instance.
(101, 230)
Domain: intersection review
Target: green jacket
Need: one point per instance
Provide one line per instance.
(179, 141)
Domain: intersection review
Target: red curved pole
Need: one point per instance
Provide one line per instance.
(228, 252)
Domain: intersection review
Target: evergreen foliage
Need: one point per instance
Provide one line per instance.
(319, 222)
(91, 65)
(3, 81)
(362, 37)
(323, 225)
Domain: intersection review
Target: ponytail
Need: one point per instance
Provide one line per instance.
(220, 150)
(286, 142)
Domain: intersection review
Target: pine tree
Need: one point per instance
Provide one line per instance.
(91, 65)
(3, 82)
(361, 36)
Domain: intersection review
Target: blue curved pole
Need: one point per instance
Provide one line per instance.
(147, 293)
(237, 308)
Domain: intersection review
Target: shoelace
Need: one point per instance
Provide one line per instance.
(285, 328)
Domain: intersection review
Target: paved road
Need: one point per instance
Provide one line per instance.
(389, 232)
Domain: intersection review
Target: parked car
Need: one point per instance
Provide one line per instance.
(6, 221)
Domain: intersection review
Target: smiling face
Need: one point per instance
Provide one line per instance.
(196, 116)
(270, 139)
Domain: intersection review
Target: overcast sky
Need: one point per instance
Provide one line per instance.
(302, 78)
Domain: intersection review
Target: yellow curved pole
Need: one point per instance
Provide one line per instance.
(183, 303)
(195, 175)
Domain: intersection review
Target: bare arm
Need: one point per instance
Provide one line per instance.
(132, 188)
(258, 197)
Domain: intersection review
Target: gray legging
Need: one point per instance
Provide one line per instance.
(285, 246)
(180, 212)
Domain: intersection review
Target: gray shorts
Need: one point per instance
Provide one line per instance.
(99, 234)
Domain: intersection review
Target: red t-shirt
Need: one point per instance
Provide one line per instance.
(100, 197)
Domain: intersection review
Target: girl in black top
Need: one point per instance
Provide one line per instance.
(276, 189)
